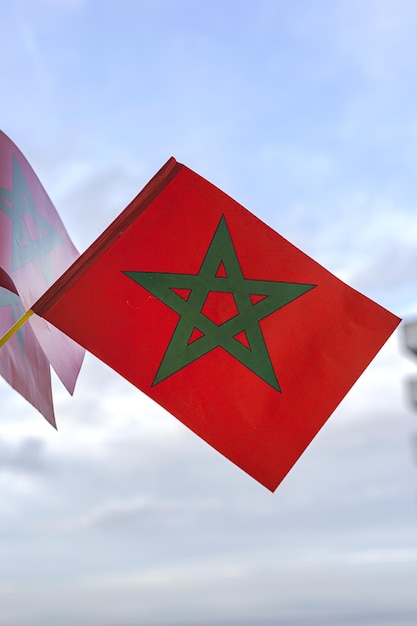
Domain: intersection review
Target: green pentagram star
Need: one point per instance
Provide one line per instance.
(33, 237)
(196, 334)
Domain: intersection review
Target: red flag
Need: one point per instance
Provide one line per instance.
(35, 249)
(240, 335)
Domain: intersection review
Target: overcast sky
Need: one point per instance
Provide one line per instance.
(305, 112)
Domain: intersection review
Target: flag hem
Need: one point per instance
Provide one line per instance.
(151, 190)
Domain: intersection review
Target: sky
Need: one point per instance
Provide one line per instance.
(304, 113)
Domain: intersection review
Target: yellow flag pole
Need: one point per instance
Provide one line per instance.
(16, 327)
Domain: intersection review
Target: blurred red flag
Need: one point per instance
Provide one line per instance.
(240, 335)
(35, 249)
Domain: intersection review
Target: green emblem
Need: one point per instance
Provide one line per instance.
(200, 329)
(32, 236)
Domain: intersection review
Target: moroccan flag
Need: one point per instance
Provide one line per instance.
(35, 249)
(224, 323)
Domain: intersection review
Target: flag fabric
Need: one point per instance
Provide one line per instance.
(22, 361)
(35, 249)
(232, 329)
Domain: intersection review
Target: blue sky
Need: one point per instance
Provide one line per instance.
(304, 113)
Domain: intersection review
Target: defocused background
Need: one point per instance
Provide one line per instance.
(306, 113)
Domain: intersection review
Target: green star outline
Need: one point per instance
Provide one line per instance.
(273, 295)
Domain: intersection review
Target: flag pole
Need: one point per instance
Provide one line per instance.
(22, 320)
